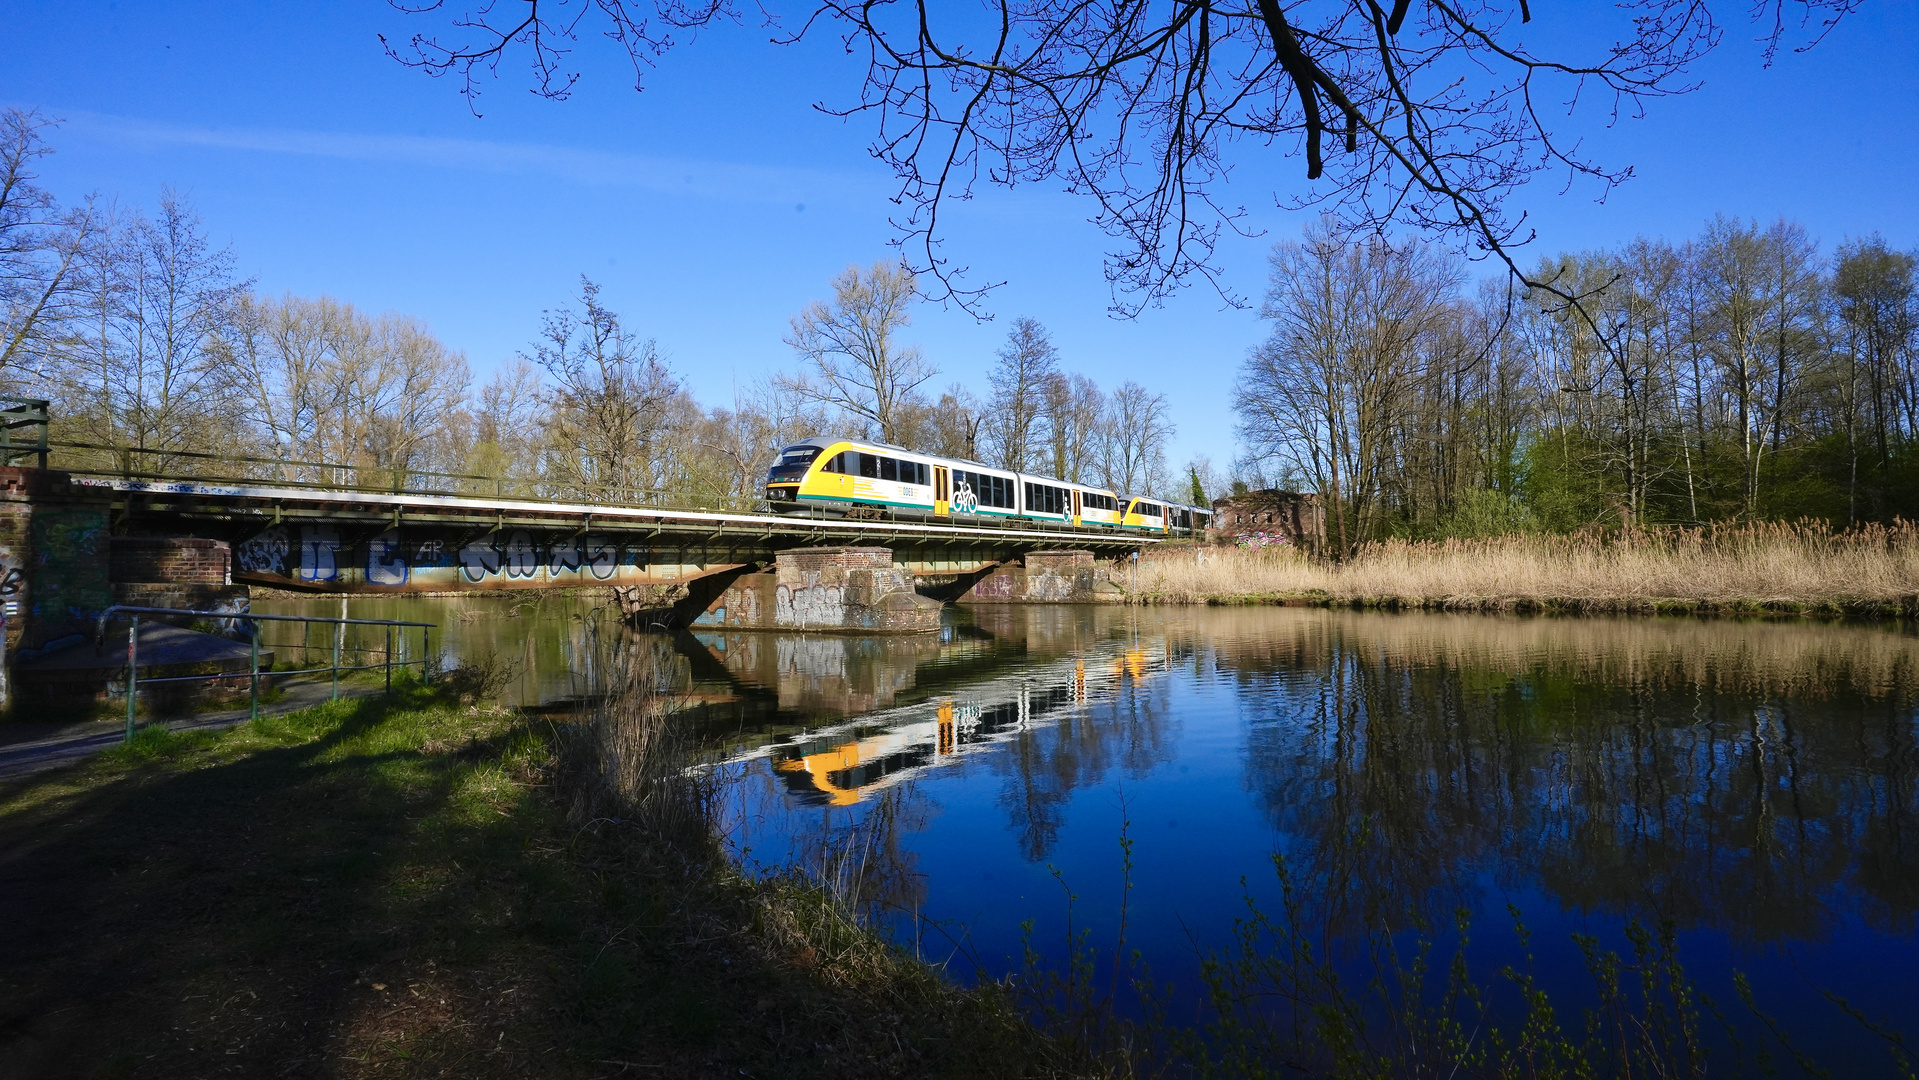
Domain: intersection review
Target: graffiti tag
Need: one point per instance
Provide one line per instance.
(385, 565)
(478, 559)
(319, 544)
(264, 554)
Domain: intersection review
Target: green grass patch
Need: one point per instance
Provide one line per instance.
(389, 886)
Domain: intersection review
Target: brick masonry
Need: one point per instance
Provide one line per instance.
(169, 561)
(53, 557)
(1300, 518)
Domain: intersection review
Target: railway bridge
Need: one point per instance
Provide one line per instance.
(75, 538)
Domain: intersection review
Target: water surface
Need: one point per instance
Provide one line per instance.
(1751, 784)
(1755, 785)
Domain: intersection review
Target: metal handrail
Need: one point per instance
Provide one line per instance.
(134, 611)
(19, 412)
(399, 485)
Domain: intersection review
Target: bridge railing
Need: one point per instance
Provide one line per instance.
(132, 613)
(140, 463)
(162, 466)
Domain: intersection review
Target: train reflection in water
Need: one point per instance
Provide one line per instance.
(842, 764)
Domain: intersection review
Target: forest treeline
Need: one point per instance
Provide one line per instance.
(144, 335)
(1741, 374)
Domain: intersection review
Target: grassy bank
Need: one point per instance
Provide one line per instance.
(414, 886)
(1808, 568)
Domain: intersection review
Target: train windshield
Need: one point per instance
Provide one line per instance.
(792, 464)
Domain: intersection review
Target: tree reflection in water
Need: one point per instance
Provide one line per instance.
(1752, 781)
(1756, 778)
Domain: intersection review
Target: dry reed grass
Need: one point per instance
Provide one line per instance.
(1773, 657)
(629, 759)
(1765, 566)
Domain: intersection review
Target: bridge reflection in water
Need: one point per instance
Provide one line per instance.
(1001, 691)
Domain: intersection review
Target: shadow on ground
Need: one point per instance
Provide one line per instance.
(388, 888)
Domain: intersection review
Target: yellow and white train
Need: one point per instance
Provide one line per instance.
(850, 477)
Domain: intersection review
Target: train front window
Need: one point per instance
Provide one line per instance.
(792, 464)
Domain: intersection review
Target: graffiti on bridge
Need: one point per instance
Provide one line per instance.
(316, 553)
(516, 555)
(69, 578)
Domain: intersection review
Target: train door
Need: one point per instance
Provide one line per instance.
(942, 490)
(1075, 508)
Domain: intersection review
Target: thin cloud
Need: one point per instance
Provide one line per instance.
(669, 176)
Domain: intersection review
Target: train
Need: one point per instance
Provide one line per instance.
(860, 478)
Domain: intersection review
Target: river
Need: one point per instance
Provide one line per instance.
(1754, 785)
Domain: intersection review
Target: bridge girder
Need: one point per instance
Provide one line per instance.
(356, 541)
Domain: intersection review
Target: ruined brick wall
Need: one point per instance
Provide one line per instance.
(1297, 516)
(169, 561)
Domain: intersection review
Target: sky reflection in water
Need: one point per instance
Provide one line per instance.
(1753, 783)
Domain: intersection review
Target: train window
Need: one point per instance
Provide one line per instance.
(889, 469)
(869, 466)
(991, 490)
(799, 455)
(1045, 499)
(920, 474)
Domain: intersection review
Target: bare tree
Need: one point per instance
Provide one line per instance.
(1760, 286)
(321, 381)
(1074, 408)
(1134, 438)
(1878, 306)
(1328, 392)
(1442, 108)
(951, 427)
(855, 362)
(1027, 363)
(41, 249)
(609, 401)
(506, 428)
(407, 396)
(143, 367)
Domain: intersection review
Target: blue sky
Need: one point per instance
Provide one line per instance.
(718, 202)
